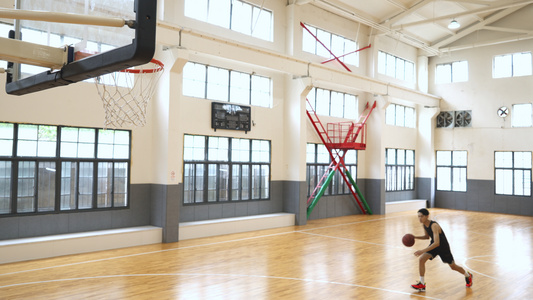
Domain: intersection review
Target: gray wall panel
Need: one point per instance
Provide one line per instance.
(71, 222)
(480, 196)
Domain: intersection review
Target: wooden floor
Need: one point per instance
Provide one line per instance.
(355, 257)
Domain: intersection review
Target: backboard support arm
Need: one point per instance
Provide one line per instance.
(139, 52)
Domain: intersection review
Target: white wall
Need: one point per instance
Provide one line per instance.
(483, 95)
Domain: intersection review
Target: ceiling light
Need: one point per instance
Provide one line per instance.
(454, 24)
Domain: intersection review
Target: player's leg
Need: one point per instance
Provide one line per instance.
(421, 284)
(468, 275)
(422, 263)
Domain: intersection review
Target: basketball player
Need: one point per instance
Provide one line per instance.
(438, 247)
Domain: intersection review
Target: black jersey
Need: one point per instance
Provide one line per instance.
(443, 250)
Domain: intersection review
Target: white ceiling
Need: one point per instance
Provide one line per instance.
(424, 23)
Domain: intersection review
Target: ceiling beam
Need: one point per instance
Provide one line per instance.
(511, 30)
(480, 2)
(493, 18)
(368, 21)
(499, 5)
(407, 12)
(489, 43)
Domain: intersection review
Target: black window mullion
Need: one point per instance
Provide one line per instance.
(96, 165)
(206, 75)
(77, 189)
(230, 170)
(229, 84)
(112, 192)
(206, 170)
(230, 14)
(36, 186)
(14, 171)
(206, 186)
(251, 83)
(59, 167)
(217, 182)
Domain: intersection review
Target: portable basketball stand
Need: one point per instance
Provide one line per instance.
(65, 69)
(338, 139)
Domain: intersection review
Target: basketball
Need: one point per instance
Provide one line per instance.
(408, 240)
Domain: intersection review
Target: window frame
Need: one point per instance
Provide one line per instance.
(517, 111)
(513, 171)
(497, 74)
(256, 88)
(255, 17)
(384, 68)
(399, 176)
(401, 122)
(454, 168)
(453, 67)
(56, 191)
(199, 184)
(315, 97)
(319, 49)
(316, 164)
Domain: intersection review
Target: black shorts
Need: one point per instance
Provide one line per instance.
(444, 253)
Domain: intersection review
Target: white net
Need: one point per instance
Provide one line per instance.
(125, 94)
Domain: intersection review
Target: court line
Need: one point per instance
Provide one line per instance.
(219, 275)
(352, 240)
(351, 223)
(473, 257)
(189, 247)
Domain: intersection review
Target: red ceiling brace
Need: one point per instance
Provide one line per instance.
(316, 38)
(347, 54)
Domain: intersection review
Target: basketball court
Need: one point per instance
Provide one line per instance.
(354, 257)
(359, 256)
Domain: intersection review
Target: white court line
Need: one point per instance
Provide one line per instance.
(351, 223)
(473, 257)
(221, 275)
(188, 247)
(352, 240)
(146, 253)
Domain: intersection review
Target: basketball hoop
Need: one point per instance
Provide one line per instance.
(125, 94)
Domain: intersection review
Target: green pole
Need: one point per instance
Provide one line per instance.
(358, 192)
(320, 193)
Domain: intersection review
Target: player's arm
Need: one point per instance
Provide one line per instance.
(423, 237)
(436, 240)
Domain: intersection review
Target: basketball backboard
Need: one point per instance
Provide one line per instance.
(115, 48)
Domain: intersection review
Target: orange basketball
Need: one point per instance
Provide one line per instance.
(408, 240)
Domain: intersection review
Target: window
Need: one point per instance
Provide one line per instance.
(219, 84)
(58, 168)
(51, 38)
(522, 115)
(233, 14)
(318, 161)
(513, 173)
(399, 170)
(399, 115)
(512, 65)
(451, 171)
(396, 67)
(222, 169)
(332, 103)
(452, 72)
(345, 49)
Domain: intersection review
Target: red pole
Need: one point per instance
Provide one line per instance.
(348, 53)
(316, 38)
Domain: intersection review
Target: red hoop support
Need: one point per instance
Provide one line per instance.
(159, 67)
